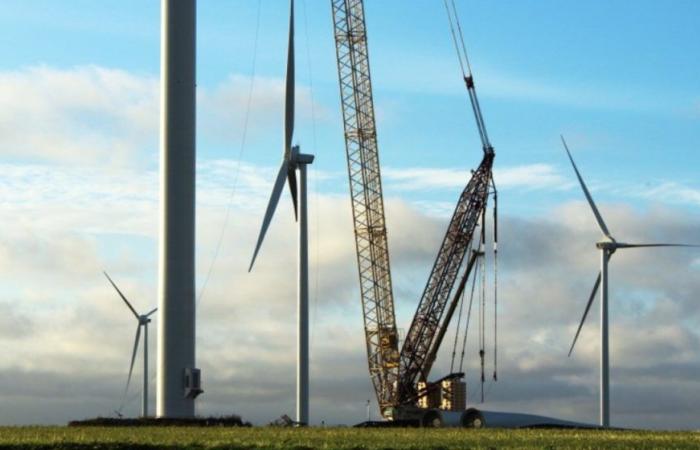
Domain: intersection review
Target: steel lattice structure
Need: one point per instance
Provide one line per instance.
(396, 375)
(416, 350)
(367, 199)
(420, 346)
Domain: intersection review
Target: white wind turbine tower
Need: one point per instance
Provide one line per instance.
(143, 321)
(293, 160)
(607, 246)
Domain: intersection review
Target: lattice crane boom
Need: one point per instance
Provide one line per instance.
(395, 375)
(367, 199)
(427, 322)
(428, 327)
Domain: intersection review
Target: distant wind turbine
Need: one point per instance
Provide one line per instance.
(607, 246)
(293, 160)
(143, 321)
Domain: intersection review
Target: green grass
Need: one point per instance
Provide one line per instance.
(340, 438)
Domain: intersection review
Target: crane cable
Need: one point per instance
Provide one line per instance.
(495, 280)
(454, 39)
(241, 150)
(469, 314)
(459, 321)
(461, 49)
(127, 401)
(315, 177)
(232, 196)
(482, 305)
(465, 66)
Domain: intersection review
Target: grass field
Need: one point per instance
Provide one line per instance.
(331, 438)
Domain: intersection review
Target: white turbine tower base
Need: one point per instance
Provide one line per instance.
(292, 161)
(303, 298)
(607, 246)
(143, 321)
(179, 382)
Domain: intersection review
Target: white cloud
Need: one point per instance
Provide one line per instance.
(674, 192)
(419, 178)
(13, 324)
(493, 82)
(222, 108)
(71, 336)
(616, 98)
(85, 114)
(90, 115)
(529, 176)
(72, 224)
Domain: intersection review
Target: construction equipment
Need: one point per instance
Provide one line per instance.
(400, 378)
(367, 201)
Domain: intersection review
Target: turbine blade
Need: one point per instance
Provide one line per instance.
(622, 245)
(598, 217)
(585, 313)
(151, 312)
(271, 206)
(133, 358)
(289, 89)
(122, 296)
(292, 181)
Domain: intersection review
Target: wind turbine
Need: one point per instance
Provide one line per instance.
(293, 160)
(607, 246)
(143, 321)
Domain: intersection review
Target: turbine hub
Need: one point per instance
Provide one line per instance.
(608, 244)
(294, 153)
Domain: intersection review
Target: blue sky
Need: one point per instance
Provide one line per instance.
(79, 154)
(624, 76)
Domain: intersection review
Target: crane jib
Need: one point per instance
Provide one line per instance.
(416, 351)
(395, 374)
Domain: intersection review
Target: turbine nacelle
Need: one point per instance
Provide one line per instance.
(608, 244)
(294, 158)
(144, 320)
(303, 158)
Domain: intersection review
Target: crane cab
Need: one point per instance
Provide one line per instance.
(442, 403)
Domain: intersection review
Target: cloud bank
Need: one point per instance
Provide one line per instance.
(76, 206)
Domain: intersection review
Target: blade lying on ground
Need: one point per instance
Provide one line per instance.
(271, 206)
(585, 313)
(122, 296)
(622, 245)
(598, 217)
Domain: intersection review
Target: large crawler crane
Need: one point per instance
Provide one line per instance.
(399, 378)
